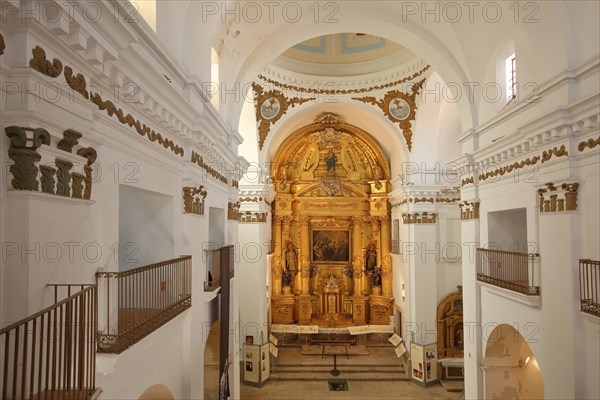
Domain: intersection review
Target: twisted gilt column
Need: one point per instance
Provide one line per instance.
(304, 274)
(276, 267)
(386, 261)
(357, 259)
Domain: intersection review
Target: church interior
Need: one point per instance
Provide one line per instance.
(256, 200)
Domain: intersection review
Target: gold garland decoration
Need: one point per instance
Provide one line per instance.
(78, 84)
(343, 91)
(590, 143)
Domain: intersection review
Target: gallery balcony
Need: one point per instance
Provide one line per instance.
(589, 282)
(52, 354)
(509, 270)
(136, 302)
(214, 259)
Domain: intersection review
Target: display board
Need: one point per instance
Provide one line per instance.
(423, 363)
(257, 363)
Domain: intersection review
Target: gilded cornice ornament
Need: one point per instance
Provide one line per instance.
(467, 181)
(394, 105)
(550, 201)
(558, 152)
(233, 211)
(78, 84)
(469, 210)
(546, 156)
(193, 199)
(24, 170)
(590, 143)
(41, 64)
(270, 107)
(199, 160)
(70, 138)
(128, 119)
(253, 217)
(415, 200)
(90, 154)
(2, 44)
(419, 218)
(301, 89)
(235, 184)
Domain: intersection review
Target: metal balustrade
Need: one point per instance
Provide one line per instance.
(589, 282)
(136, 302)
(509, 270)
(51, 354)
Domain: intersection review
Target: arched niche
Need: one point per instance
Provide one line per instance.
(157, 392)
(450, 325)
(511, 370)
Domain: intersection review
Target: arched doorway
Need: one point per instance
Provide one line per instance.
(157, 392)
(511, 370)
(332, 264)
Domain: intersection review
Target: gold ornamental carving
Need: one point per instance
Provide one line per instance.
(78, 84)
(284, 309)
(590, 143)
(399, 107)
(301, 89)
(561, 198)
(467, 181)
(419, 218)
(545, 156)
(380, 310)
(469, 210)
(233, 211)
(193, 199)
(270, 107)
(41, 64)
(199, 161)
(253, 217)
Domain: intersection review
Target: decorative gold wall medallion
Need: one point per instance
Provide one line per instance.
(399, 107)
(270, 107)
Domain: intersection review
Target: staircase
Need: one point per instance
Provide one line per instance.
(381, 364)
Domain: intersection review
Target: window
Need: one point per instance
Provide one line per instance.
(511, 78)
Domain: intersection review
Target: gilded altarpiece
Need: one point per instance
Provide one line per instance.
(331, 227)
(450, 326)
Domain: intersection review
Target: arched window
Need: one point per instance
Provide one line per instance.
(511, 77)
(213, 89)
(506, 72)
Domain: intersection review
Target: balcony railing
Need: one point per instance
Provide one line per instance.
(589, 282)
(509, 270)
(51, 354)
(139, 301)
(213, 263)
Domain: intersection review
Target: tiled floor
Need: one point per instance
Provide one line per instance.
(377, 375)
(358, 390)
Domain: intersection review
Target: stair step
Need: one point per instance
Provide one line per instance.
(348, 375)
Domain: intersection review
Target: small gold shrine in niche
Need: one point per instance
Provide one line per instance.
(331, 227)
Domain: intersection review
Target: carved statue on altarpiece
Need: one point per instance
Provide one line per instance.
(291, 264)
